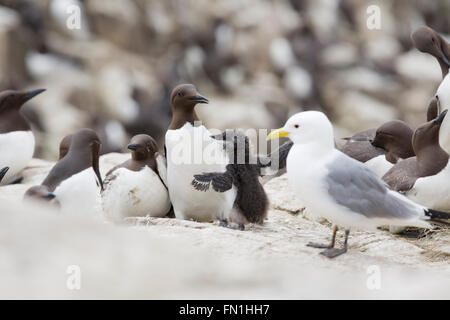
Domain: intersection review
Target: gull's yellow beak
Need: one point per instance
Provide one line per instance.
(277, 134)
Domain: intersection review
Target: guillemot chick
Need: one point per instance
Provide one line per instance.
(74, 180)
(429, 41)
(339, 188)
(243, 172)
(136, 188)
(425, 178)
(381, 148)
(16, 138)
(190, 150)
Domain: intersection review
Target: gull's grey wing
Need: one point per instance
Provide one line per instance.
(354, 186)
(277, 157)
(220, 181)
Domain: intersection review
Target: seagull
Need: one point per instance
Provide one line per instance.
(339, 188)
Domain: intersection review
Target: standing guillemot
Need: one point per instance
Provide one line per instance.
(135, 188)
(381, 148)
(188, 151)
(16, 138)
(243, 172)
(73, 179)
(425, 178)
(343, 190)
(429, 41)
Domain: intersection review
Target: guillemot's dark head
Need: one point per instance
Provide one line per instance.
(64, 146)
(185, 97)
(143, 147)
(395, 137)
(433, 109)
(428, 134)
(83, 143)
(429, 41)
(13, 100)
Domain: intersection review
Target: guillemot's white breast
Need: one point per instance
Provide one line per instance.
(432, 191)
(79, 194)
(16, 150)
(191, 151)
(134, 194)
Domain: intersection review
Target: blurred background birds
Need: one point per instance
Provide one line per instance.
(258, 61)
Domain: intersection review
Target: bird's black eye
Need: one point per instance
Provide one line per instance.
(180, 94)
(296, 126)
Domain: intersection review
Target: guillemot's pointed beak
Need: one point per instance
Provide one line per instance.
(49, 196)
(95, 162)
(3, 172)
(440, 118)
(444, 58)
(200, 99)
(133, 147)
(31, 94)
(278, 133)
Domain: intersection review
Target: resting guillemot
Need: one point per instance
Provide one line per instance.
(381, 148)
(73, 179)
(429, 41)
(16, 138)
(425, 178)
(136, 188)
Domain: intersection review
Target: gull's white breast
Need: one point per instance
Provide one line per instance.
(134, 194)
(16, 150)
(190, 151)
(307, 177)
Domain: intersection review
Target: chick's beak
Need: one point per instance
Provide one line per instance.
(278, 133)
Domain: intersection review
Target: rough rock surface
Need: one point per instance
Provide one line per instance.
(169, 258)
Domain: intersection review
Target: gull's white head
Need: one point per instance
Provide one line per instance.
(307, 127)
